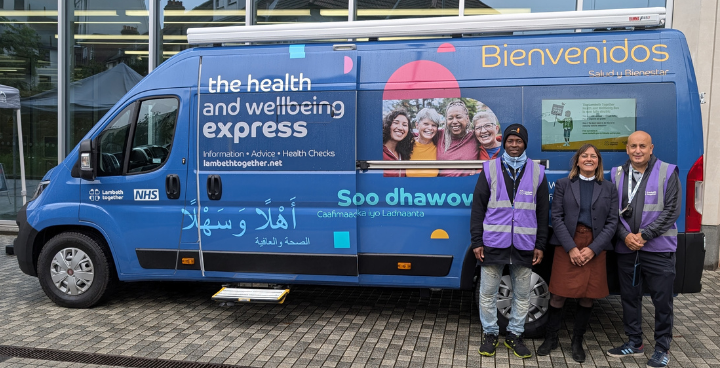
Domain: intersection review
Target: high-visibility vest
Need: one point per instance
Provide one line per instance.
(513, 223)
(653, 206)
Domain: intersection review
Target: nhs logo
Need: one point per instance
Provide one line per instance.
(146, 195)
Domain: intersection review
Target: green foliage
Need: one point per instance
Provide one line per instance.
(23, 43)
(89, 69)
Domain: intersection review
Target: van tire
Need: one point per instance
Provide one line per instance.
(537, 314)
(89, 258)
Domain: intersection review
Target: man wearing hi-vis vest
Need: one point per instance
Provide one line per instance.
(646, 236)
(508, 226)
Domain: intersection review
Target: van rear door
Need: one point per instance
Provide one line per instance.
(276, 138)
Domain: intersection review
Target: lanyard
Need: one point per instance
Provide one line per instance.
(631, 194)
(512, 176)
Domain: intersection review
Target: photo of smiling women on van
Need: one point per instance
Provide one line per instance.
(427, 123)
(457, 140)
(488, 134)
(397, 140)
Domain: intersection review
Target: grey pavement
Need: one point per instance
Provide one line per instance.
(318, 326)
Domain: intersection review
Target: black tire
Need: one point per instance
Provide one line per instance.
(537, 314)
(67, 256)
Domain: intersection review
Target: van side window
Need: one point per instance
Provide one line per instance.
(112, 143)
(154, 133)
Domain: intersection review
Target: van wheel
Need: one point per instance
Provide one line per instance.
(74, 270)
(537, 313)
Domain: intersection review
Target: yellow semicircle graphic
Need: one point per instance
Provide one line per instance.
(439, 234)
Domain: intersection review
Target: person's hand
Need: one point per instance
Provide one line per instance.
(587, 254)
(576, 257)
(640, 239)
(537, 256)
(479, 253)
(632, 242)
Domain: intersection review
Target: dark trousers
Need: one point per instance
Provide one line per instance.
(657, 272)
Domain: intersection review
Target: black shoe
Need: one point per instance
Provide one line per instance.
(489, 343)
(550, 344)
(578, 354)
(516, 344)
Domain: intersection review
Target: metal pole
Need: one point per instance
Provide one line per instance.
(669, 6)
(579, 7)
(352, 6)
(65, 12)
(154, 42)
(249, 12)
(23, 191)
(14, 128)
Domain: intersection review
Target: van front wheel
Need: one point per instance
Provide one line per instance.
(74, 270)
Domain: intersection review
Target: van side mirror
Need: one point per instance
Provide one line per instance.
(88, 160)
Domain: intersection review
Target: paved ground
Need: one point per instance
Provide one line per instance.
(317, 326)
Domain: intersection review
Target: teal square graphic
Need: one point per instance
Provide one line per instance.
(342, 239)
(297, 51)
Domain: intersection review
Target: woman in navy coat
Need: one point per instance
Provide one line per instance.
(584, 217)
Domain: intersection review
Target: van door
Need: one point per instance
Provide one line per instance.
(271, 161)
(139, 193)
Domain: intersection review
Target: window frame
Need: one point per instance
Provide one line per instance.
(136, 107)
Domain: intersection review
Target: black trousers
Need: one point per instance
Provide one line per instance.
(657, 272)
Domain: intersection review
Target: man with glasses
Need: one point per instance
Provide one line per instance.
(649, 205)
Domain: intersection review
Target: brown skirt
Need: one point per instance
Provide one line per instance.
(570, 281)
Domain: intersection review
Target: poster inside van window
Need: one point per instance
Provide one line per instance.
(438, 129)
(570, 123)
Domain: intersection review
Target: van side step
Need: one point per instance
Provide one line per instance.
(248, 295)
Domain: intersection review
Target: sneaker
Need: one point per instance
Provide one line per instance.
(489, 343)
(627, 349)
(516, 344)
(659, 359)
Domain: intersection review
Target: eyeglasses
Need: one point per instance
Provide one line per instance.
(487, 126)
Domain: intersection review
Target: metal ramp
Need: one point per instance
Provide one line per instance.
(250, 295)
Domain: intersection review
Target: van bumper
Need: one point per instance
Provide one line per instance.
(689, 262)
(23, 244)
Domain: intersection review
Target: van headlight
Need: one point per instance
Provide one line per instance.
(43, 184)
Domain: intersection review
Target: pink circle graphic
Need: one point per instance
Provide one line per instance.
(446, 47)
(421, 79)
(348, 64)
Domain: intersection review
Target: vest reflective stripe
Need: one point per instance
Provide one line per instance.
(505, 225)
(662, 182)
(652, 206)
(509, 229)
(670, 232)
(526, 231)
(494, 202)
(526, 205)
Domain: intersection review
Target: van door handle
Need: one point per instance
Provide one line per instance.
(172, 186)
(214, 187)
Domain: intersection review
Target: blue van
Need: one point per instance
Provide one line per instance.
(281, 164)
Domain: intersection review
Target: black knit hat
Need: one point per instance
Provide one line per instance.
(518, 130)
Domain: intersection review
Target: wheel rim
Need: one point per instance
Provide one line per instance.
(539, 298)
(72, 271)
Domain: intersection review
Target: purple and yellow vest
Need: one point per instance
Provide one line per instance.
(507, 223)
(654, 204)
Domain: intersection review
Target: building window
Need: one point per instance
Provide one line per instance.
(179, 15)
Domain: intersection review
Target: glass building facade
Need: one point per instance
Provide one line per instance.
(72, 60)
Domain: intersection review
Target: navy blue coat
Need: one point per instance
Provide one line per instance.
(566, 209)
